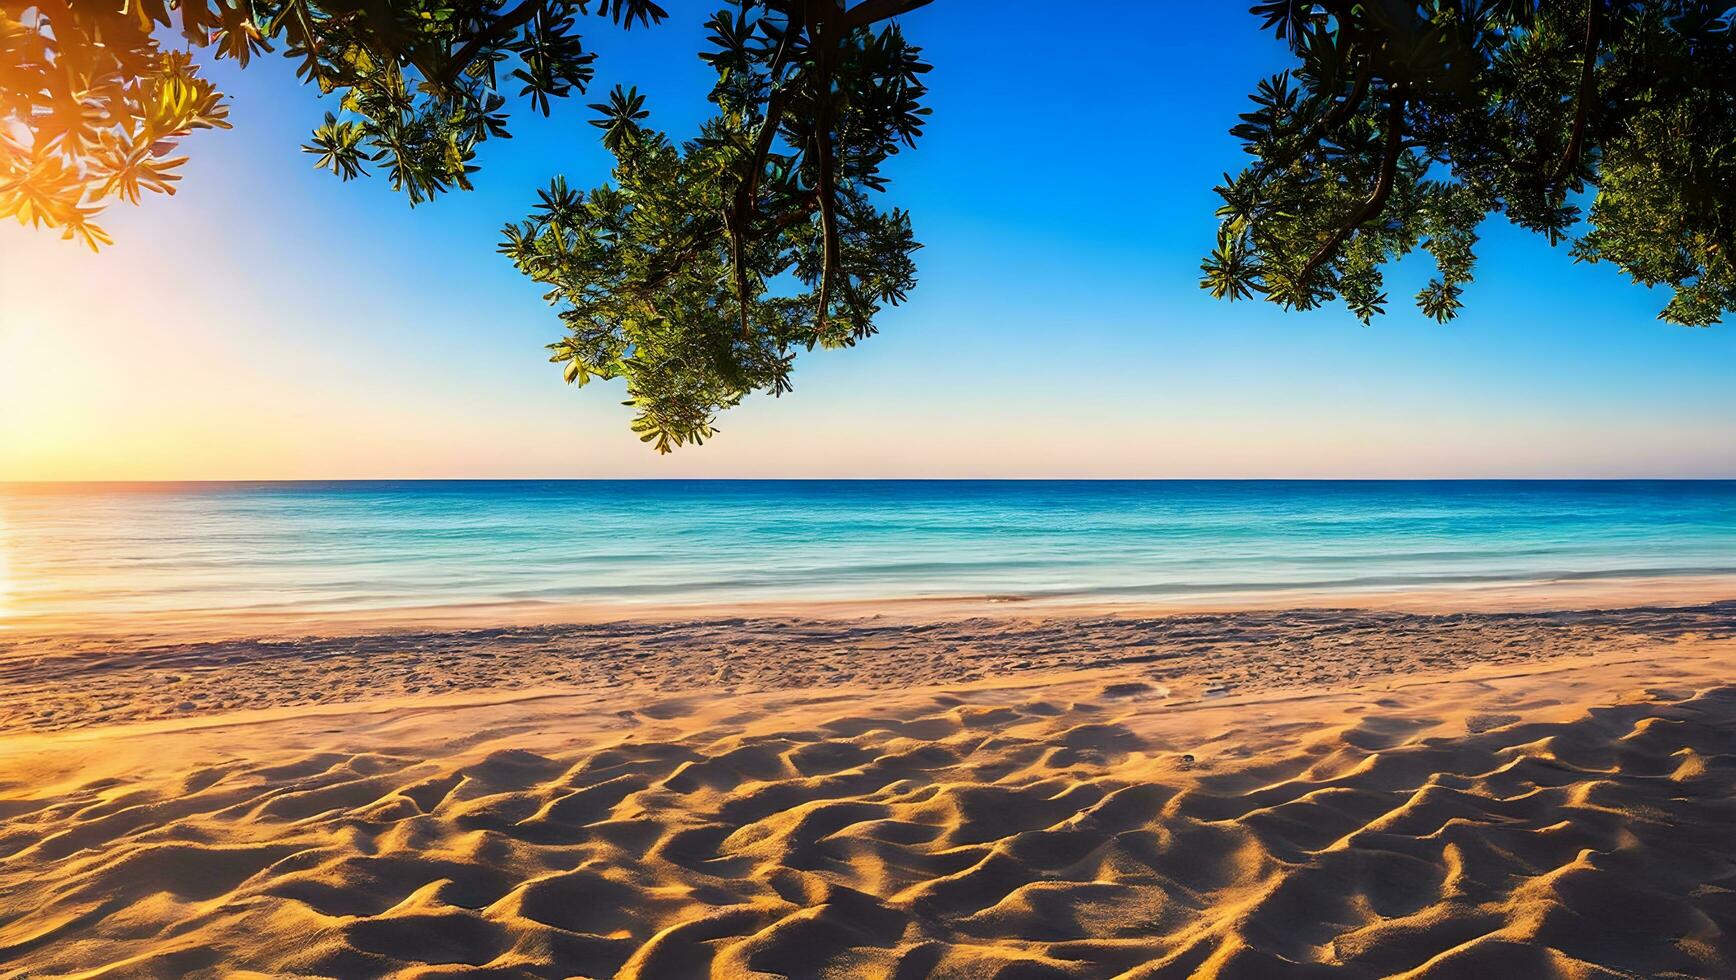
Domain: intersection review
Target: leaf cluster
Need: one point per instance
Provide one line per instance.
(705, 266)
(1403, 125)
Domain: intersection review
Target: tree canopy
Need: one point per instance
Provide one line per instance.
(1405, 124)
(706, 264)
(700, 272)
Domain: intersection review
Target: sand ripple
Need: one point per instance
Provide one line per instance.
(997, 831)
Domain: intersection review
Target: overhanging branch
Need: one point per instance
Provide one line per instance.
(826, 185)
(1582, 101)
(1377, 198)
(740, 212)
(497, 31)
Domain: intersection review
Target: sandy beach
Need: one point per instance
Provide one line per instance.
(867, 490)
(1256, 793)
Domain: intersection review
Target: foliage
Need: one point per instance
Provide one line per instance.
(705, 266)
(1404, 124)
(701, 271)
(93, 104)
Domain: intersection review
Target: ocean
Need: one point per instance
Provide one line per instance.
(68, 550)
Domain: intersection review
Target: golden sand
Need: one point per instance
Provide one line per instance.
(1278, 793)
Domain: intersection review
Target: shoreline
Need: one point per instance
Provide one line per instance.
(1500, 597)
(75, 681)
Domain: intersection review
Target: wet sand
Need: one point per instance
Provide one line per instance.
(1361, 792)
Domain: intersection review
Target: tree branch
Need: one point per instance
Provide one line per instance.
(696, 241)
(829, 247)
(768, 131)
(825, 188)
(793, 217)
(1376, 202)
(700, 236)
(739, 214)
(1341, 112)
(738, 271)
(871, 11)
(1335, 116)
(1582, 101)
(499, 30)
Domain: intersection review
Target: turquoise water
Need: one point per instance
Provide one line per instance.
(70, 550)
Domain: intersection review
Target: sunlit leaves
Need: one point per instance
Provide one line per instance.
(83, 122)
(133, 169)
(93, 96)
(177, 101)
(1404, 125)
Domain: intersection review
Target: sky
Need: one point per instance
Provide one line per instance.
(270, 322)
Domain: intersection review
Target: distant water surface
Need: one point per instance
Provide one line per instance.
(74, 549)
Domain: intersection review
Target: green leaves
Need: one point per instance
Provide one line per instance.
(339, 144)
(621, 116)
(1403, 125)
(421, 82)
(553, 62)
(704, 268)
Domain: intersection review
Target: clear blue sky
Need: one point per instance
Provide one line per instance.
(270, 322)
